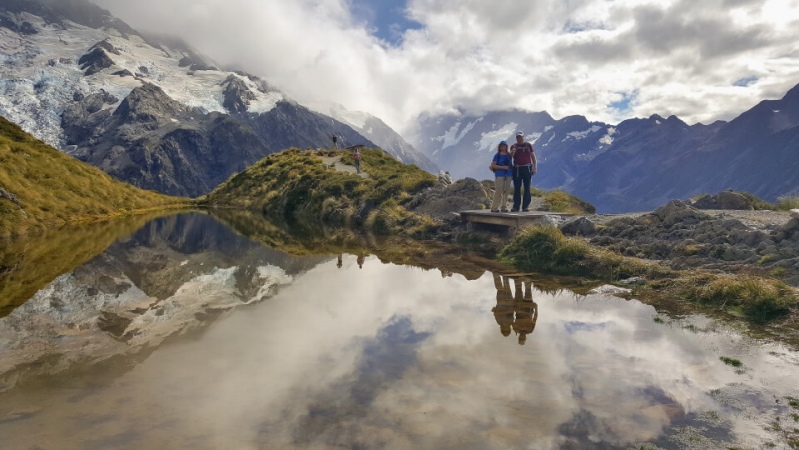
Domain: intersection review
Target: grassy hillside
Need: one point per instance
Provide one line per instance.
(296, 183)
(42, 188)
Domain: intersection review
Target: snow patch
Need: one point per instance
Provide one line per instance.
(40, 73)
(490, 140)
(272, 276)
(453, 137)
(578, 135)
(533, 137)
(608, 138)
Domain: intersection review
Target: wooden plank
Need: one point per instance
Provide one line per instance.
(509, 219)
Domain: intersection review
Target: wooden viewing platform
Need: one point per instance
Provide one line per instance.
(514, 220)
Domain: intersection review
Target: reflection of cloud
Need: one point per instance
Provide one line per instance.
(399, 357)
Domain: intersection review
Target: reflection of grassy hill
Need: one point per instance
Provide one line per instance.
(297, 183)
(428, 255)
(30, 264)
(52, 188)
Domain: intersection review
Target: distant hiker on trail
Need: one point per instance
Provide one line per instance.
(356, 156)
(501, 166)
(335, 140)
(524, 166)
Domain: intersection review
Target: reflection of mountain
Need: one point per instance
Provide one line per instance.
(169, 277)
(27, 265)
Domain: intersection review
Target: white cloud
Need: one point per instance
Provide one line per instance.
(682, 57)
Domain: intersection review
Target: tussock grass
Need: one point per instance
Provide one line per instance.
(560, 201)
(545, 248)
(295, 183)
(54, 189)
(758, 203)
(759, 299)
(788, 202)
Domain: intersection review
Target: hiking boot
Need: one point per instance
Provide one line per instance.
(494, 210)
(525, 210)
(514, 210)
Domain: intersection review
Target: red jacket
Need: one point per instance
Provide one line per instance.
(523, 155)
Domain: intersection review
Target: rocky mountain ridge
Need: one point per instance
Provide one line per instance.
(148, 111)
(638, 164)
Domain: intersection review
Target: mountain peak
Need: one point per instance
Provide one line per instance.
(82, 12)
(792, 95)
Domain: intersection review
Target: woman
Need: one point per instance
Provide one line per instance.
(501, 165)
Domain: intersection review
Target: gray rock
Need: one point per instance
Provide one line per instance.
(442, 200)
(237, 95)
(633, 281)
(95, 61)
(10, 197)
(609, 289)
(676, 212)
(724, 200)
(581, 226)
(795, 213)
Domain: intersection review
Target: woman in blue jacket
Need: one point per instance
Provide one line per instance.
(501, 165)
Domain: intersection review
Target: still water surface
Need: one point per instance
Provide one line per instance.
(188, 335)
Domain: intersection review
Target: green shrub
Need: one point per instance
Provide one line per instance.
(788, 202)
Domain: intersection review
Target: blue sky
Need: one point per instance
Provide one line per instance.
(385, 19)
(605, 60)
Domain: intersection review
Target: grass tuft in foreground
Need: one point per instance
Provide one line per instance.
(546, 249)
(788, 202)
(560, 201)
(759, 299)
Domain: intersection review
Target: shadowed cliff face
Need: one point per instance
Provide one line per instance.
(153, 142)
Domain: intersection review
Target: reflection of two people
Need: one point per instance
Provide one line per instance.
(360, 260)
(518, 312)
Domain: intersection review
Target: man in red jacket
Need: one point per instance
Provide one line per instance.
(524, 167)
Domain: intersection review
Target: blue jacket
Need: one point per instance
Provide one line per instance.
(501, 159)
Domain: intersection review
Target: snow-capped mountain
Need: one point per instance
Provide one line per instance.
(638, 164)
(150, 112)
(381, 134)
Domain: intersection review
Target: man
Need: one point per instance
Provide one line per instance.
(524, 166)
